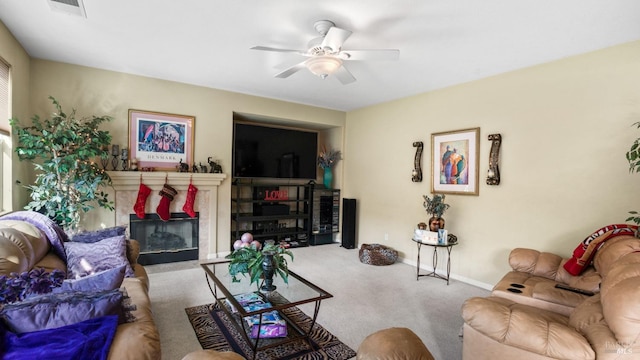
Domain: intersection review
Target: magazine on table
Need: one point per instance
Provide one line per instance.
(244, 300)
(269, 330)
(271, 317)
(272, 323)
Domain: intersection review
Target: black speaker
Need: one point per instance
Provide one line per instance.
(348, 223)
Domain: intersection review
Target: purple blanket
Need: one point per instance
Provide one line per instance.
(90, 339)
(54, 233)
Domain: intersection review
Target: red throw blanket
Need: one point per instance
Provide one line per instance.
(584, 253)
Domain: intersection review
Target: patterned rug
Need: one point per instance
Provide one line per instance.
(215, 330)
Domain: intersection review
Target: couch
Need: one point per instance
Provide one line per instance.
(541, 321)
(30, 241)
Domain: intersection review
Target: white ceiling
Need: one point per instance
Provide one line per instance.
(206, 42)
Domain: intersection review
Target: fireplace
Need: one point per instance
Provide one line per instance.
(165, 241)
(126, 186)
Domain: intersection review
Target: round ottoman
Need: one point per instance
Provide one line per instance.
(393, 344)
(376, 254)
(213, 355)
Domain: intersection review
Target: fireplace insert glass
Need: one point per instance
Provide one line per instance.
(165, 241)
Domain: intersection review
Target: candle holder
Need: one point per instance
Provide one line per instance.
(114, 162)
(104, 157)
(493, 174)
(115, 152)
(125, 157)
(104, 161)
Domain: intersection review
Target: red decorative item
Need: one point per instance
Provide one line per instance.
(584, 253)
(167, 194)
(141, 201)
(275, 195)
(191, 198)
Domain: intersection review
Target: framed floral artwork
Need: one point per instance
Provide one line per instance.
(454, 162)
(159, 140)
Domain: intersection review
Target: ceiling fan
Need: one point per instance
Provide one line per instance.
(326, 56)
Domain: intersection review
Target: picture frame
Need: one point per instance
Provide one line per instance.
(454, 162)
(160, 141)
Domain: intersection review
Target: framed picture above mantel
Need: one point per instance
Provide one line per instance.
(160, 140)
(454, 162)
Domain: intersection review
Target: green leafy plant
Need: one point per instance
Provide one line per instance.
(68, 182)
(436, 206)
(248, 261)
(633, 157)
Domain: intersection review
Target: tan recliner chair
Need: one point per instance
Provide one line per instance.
(604, 326)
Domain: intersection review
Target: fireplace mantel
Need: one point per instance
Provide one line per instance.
(127, 183)
(130, 180)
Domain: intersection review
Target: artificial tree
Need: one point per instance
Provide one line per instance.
(68, 182)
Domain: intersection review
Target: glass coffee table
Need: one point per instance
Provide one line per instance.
(297, 292)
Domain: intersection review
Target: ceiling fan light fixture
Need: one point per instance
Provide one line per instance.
(323, 66)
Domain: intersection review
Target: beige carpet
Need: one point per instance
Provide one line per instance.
(366, 299)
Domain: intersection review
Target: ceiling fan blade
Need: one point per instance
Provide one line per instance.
(335, 38)
(266, 48)
(382, 54)
(344, 75)
(290, 71)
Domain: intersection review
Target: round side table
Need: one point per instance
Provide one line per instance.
(435, 247)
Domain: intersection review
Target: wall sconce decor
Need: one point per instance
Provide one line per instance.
(416, 174)
(493, 175)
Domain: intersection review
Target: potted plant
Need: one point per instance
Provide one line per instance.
(435, 207)
(633, 157)
(62, 150)
(260, 264)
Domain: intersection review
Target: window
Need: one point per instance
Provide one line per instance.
(5, 138)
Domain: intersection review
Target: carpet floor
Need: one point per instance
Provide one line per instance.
(215, 330)
(366, 299)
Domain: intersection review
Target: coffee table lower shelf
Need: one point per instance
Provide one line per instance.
(295, 332)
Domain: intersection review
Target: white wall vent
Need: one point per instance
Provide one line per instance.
(73, 7)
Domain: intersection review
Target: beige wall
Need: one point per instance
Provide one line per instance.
(565, 126)
(12, 52)
(98, 92)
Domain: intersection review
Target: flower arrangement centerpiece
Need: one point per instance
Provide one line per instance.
(326, 160)
(260, 263)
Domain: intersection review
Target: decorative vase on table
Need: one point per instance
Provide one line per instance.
(268, 269)
(436, 223)
(327, 179)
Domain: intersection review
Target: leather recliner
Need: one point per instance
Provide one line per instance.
(603, 326)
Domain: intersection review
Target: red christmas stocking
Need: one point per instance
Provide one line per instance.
(143, 194)
(167, 194)
(191, 197)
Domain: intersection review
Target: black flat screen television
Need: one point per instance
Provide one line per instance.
(272, 152)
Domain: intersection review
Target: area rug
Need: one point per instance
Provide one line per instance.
(216, 331)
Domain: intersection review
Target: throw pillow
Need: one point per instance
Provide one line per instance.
(17, 287)
(101, 281)
(89, 258)
(61, 309)
(101, 234)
